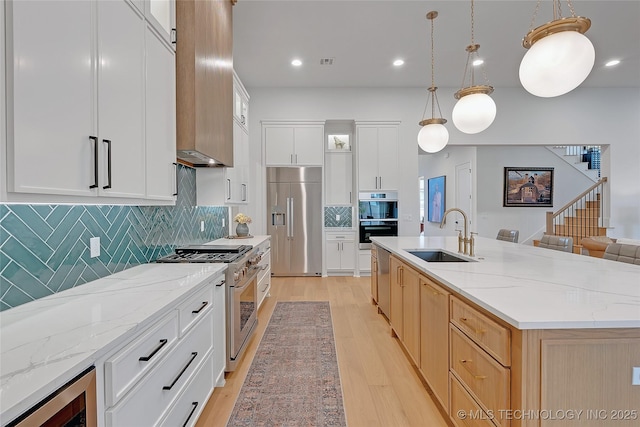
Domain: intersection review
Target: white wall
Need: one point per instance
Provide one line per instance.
(444, 163)
(582, 117)
(530, 221)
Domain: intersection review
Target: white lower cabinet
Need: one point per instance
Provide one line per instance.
(166, 374)
(364, 260)
(149, 399)
(189, 404)
(264, 277)
(340, 251)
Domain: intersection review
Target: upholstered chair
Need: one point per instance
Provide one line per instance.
(508, 235)
(623, 253)
(596, 245)
(558, 243)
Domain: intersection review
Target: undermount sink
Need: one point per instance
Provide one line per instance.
(436, 256)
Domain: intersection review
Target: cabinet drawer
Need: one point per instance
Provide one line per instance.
(264, 265)
(129, 365)
(341, 236)
(485, 378)
(196, 307)
(154, 393)
(465, 412)
(189, 405)
(487, 333)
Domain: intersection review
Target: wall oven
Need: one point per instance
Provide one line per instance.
(377, 216)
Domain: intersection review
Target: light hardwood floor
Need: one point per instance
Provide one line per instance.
(379, 385)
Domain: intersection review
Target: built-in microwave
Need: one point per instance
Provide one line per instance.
(373, 206)
(377, 216)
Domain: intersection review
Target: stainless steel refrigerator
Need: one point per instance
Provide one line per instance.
(294, 209)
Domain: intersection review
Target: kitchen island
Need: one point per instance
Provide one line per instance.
(519, 335)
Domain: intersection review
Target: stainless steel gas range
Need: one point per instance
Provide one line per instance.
(241, 296)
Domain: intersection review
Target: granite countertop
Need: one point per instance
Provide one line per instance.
(47, 342)
(531, 287)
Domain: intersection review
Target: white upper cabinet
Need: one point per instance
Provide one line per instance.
(160, 119)
(293, 144)
(338, 179)
(377, 146)
(49, 151)
(121, 53)
(240, 103)
(83, 107)
(161, 14)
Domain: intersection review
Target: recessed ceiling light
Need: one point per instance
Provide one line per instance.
(612, 63)
(398, 62)
(478, 62)
(296, 63)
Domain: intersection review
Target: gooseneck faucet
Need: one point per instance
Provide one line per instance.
(467, 241)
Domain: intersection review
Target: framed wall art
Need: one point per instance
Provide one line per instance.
(436, 200)
(529, 187)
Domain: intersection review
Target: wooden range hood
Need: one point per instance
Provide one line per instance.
(204, 82)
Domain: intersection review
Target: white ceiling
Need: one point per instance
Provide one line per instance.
(364, 37)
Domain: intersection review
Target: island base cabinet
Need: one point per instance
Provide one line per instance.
(465, 412)
(189, 405)
(580, 370)
(434, 336)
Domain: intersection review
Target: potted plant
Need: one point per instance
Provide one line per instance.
(242, 229)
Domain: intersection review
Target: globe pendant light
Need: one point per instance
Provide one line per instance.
(560, 56)
(433, 136)
(475, 110)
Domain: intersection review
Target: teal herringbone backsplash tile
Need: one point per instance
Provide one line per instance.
(45, 248)
(330, 213)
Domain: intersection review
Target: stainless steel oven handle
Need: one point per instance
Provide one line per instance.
(253, 273)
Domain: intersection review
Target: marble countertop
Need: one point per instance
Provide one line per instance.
(253, 241)
(46, 342)
(531, 287)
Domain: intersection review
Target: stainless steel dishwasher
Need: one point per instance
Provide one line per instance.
(384, 281)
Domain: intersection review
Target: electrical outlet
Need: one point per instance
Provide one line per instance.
(337, 217)
(223, 222)
(94, 247)
(635, 378)
(201, 225)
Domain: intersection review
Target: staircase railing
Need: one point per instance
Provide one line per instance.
(582, 216)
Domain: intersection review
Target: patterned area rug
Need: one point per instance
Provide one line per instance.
(293, 379)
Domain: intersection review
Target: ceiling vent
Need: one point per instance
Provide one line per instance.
(326, 61)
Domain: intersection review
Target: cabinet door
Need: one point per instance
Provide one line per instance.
(338, 179)
(52, 151)
(367, 147)
(348, 255)
(388, 158)
(278, 146)
(308, 145)
(434, 336)
(160, 119)
(121, 32)
(333, 254)
(411, 312)
(395, 317)
(237, 176)
(162, 15)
